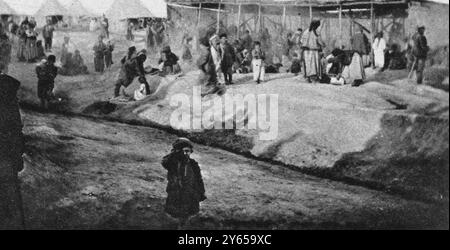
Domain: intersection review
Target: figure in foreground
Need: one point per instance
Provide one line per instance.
(185, 188)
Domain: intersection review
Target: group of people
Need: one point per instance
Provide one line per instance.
(30, 49)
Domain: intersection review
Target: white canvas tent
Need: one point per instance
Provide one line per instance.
(78, 13)
(51, 8)
(5, 9)
(122, 10)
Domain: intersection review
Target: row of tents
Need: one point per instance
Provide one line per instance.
(118, 10)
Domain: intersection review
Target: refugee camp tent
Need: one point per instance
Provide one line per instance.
(78, 13)
(50, 9)
(5, 9)
(122, 10)
(158, 8)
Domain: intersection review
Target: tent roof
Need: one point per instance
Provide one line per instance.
(5, 9)
(77, 9)
(51, 8)
(288, 2)
(125, 9)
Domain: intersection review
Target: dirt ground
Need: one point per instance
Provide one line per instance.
(89, 174)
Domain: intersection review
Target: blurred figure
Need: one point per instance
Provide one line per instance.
(11, 151)
(99, 55)
(31, 49)
(130, 27)
(46, 73)
(186, 54)
(169, 62)
(108, 54)
(5, 50)
(47, 33)
(22, 46)
(208, 73)
(361, 44)
(40, 51)
(420, 51)
(247, 41)
(258, 56)
(379, 49)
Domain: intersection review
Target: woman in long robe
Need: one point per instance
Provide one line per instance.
(312, 45)
(379, 48)
(22, 47)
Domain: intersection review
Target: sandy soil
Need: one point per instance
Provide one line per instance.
(90, 174)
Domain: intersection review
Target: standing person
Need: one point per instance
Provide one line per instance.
(11, 151)
(228, 59)
(186, 54)
(208, 74)
(419, 51)
(379, 48)
(247, 41)
(108, 54)
(67, 51)
(105, 25)
(185, 187)
(47, 33)
(5, 49)
(312, 44)
(22, 46)
(31, 48)
(99, 55)
(360, 43)
(130, 27)
(46, 73)
(216, 55)
(32, 23)
(150, 36)
(258, 56)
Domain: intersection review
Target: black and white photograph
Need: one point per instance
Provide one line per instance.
(224, 115)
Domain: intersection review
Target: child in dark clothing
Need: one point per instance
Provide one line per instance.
(108, 54)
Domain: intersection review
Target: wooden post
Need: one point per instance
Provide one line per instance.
(310, 12)
(218, 18)
(283, 21)
(340, 26)
(199, 17)
(239, 22)
(259, 17)
(372, 35)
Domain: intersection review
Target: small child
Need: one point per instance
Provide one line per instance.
(108, 54)
(258, 63)
(296, 66)
(40, 50)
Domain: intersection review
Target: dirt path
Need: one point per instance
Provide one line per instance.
(86, 174)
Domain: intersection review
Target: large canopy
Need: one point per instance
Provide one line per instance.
(287, 2)
(51, 8)
(126, 9)
(5, 9)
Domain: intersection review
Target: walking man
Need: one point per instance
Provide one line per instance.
(228, 59)
(47, 33)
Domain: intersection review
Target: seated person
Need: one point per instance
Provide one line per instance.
(169, 62)
(395, 59)
(296, 66)
(245, 65)
(40, 50)
(73, 65)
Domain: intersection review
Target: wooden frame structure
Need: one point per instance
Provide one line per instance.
(339, 6)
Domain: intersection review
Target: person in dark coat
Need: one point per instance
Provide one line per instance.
(208, 74)
(247, 41)
(108, 54)
(132, 67)
(11, 151)
(46, 73)
(420, 51)
(228, 59)
(169, 62)
(185, 188)
(99, 55)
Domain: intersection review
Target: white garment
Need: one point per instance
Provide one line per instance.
(259, 70)
(379, 46)
(217, 59)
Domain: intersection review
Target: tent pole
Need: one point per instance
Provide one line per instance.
(310, 12)
(372, 35)
(340, 26)
(283, 22)
(239, 21)
(199, 17)
(218, 17)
